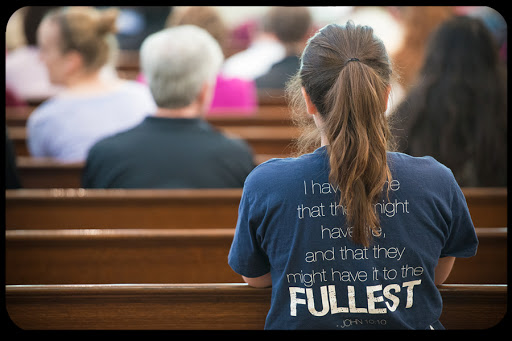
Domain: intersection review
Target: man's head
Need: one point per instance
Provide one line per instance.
(177, 63)
(291, 25)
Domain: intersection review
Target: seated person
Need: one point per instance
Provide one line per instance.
(76, 43)
(175, 147)
(26, 76)
(458, 115)
(232, 95)
(264, 50)
(292, 26)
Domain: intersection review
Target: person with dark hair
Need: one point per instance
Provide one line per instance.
(350, 231)
(292, 26)
(457, 110)
(263, 51)
(136, 23)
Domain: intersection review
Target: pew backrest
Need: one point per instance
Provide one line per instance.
(121, 208)
(202, 306)
(37, 172)
(118, 256)
(176, 256)
(184, 208)
(269, 114)
(271, 139)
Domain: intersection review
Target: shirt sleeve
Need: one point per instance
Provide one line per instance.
(246, 256)
(461, 240)
(36, 135)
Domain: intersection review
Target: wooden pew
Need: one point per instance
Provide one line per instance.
(48, 173)
(271, 97)
(119, 256)
(175, 256)
(18, 136)
(489, 265)
(134, 208)
(121, 208)
(202, 306)
(266, 139)
(487, 205)
(17, 116)
(267, 115)
(262, 139)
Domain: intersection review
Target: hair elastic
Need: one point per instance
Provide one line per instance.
(353, 59)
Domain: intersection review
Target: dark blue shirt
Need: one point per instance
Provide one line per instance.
(291, 224)
(168, 153)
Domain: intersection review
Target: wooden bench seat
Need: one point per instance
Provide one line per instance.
(261, 139)
(187, 208)
(175, 256)
(201, 306)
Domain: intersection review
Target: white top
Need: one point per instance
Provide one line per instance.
(255, 61)
(26, 75)
(65, 128)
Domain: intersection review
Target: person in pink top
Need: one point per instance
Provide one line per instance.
(232, 96)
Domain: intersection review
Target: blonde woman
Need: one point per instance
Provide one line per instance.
(76, 43)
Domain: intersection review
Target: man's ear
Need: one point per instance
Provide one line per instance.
(205, 96)
(311, 108)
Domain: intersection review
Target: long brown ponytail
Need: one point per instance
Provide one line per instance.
(346, 72)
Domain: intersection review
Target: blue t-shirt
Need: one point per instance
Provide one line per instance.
(291, 224)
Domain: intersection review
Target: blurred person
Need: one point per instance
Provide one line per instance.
(14, 36)
(292, 26)
(264, 50)
(418, 23)
(457, 109)
(12, 100)
(318, 228)
(26, 75)
(494, 22)
(175, 147)
(76, 43)
(135, 23)
(231, 95)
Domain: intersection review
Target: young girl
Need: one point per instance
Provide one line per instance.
(351, 235)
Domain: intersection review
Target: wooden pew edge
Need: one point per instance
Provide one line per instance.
(64, 289)
(137, 235)
(25, 290)
(157, 233)
(23, 296)
(73, 234)
(128, 194)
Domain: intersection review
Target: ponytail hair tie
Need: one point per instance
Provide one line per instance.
(353, 59)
